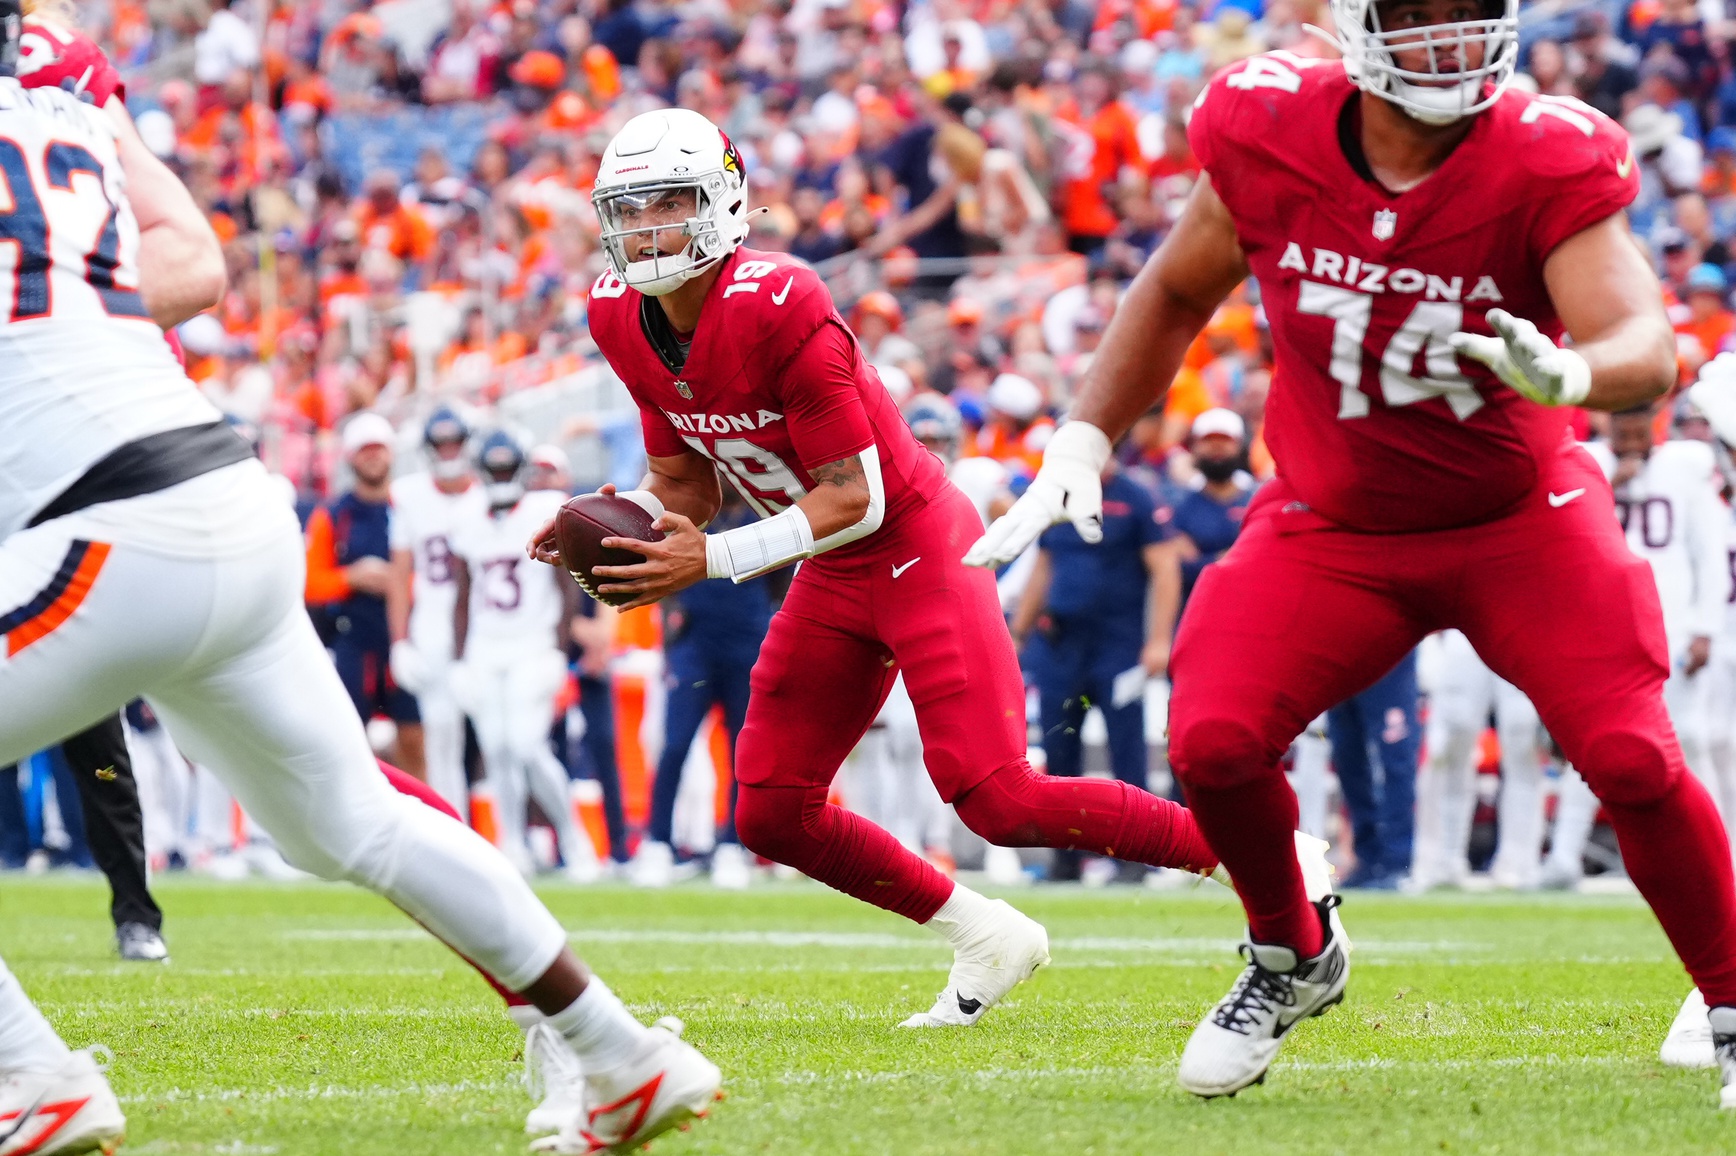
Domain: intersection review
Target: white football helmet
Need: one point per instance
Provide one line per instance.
(1369, 59)
(672, 150)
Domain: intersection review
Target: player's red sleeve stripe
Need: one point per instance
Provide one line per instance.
(90, 557)
(407, 784)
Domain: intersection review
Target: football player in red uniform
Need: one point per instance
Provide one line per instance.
(740, 364)
(1422, 235)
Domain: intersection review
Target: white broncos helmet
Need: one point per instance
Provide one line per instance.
(1368, 59)
(657, 153)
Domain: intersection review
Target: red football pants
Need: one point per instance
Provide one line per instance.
(846, 629)
(1301, 615)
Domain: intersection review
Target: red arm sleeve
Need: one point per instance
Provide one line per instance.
(325, 578)
(821, 390)
(662, 439)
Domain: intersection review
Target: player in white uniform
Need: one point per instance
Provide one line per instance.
(1462, 692)
(144, 550)
(1689, 1043)
(510, 620)
(1667, 499)
(1721, 687)
(427, 509)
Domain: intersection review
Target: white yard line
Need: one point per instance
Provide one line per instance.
(855, 941)
(1083, 951)
(316, 1092)
(1119, 1072)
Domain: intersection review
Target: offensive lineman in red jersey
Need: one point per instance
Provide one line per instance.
(1396, 208)
(740, 364)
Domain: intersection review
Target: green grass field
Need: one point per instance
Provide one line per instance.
(314, 1019)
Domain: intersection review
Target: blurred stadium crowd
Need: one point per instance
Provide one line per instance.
(403, 193)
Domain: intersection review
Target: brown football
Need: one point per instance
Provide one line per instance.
(582, 525)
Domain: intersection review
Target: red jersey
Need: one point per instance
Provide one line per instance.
(1373, 420)
(51, 55)
(774, 386)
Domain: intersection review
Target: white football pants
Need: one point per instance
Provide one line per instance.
(1720, 735)
(510, 698)
(193, 598)
(1311, 779)
(1464, 693)
(443, 737)
(165, 789)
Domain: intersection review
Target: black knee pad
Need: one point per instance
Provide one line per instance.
(1627, 769)
(1217, 754)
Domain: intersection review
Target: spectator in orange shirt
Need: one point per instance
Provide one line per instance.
(307, 98)
(237, 131)
(341, 284)
(1710, 320)
(1088, 185)
(953, 75)
(388, 224)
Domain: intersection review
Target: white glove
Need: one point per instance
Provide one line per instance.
(464, 684)
(1069, 488)
(409, 666)
(1714, 394)
(1531, 364)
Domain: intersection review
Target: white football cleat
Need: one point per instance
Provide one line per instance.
(665, 1085)
(1559, 876)
(1235, 1044)
(61, 1112)
(729, 868)
(582, 869)
(1003, 956)
(1689, 1041)
(553, 1075)
(1723, 1020)
(653, 865)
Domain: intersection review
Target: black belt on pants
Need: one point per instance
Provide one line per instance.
(149, 464)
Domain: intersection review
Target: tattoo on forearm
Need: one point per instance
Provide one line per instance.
(843, 473)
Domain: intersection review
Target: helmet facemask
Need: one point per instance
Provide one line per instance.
(502, 464)
(680, 250)
(1371, 52)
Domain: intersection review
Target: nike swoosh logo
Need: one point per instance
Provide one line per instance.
(778, 297)
(1559, 500)
(897, 570)
(1625, 166)
(969, 1007)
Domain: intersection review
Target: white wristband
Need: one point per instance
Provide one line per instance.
(749, 551)
(645, 500)
(1575, 378)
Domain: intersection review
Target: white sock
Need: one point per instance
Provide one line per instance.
(600, 1028)
(525, 1016)
(961, 915)
(27, 1043)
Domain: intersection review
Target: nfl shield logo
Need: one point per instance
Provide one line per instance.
(681, 386)
(1385, 222)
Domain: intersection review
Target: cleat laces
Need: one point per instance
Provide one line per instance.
(1257, 994)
